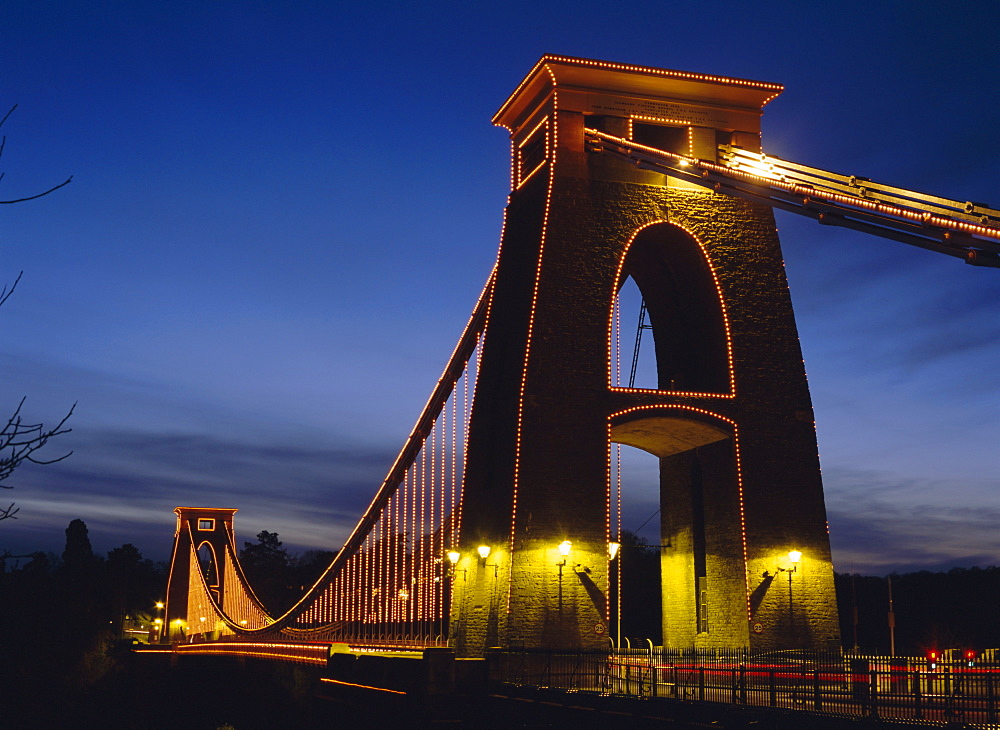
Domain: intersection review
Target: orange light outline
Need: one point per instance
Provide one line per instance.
(527, 345)
(666, 121)
(223, 647)
(550, 141)
(362, 686)
(666, 73)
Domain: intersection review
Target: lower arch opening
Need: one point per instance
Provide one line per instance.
(691, 551)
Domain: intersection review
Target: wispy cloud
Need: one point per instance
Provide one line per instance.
(882, 522)
(125, 484)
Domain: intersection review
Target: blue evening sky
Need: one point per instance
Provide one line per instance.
(282, 213)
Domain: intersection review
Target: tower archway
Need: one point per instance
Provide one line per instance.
(209, 564)
(683, 307)
(701, 527)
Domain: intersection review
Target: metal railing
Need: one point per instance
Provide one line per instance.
(835, 684)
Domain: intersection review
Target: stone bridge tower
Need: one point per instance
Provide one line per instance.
(731, 420)
(209, 531)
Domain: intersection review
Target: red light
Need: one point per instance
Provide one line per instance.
(970, 654)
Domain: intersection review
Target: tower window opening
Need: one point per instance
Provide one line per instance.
(532, 153)
(662, 137)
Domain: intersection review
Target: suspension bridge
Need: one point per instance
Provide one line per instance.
(499, 522)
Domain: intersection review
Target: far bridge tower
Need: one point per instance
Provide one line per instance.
(204, 543)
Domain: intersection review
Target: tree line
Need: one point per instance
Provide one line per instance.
(70, 620)
(277, 578)
(63, 615)
(957, 609)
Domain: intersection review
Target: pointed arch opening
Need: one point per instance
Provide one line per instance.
(681, 317)
(208, 563)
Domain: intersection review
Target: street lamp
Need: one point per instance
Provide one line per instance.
(793, 557)
(564, 547)
(613, 549)
(159, 621)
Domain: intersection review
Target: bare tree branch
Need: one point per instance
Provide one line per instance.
(65, 182)
(5, 293)
(7, 115)
(19, 440)
(3, 143)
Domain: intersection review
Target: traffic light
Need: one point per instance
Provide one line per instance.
(970, 657)
(932, 658)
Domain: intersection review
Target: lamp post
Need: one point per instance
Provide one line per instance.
(158, 621)
(613, 548)
(453, 557)
(564, 547)
(793, 557)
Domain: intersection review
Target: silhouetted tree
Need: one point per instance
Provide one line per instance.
(267, 554)
(78, 554)
(266, 565)
(307, 567)
(953, 610)
(639, 566)
(277, 578)
(134, 583)
(81, 585)
(63, 640)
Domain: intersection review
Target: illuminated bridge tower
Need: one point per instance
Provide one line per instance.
(731, 420)
(203, 541)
